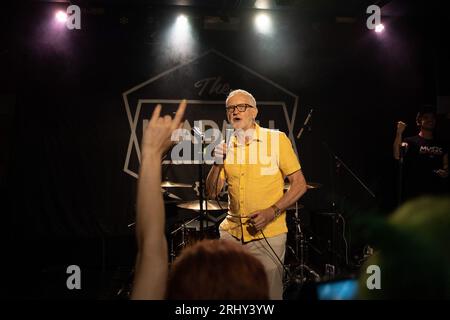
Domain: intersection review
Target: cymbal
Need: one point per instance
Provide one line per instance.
(195, 205)
(309, 185)
(170, 184)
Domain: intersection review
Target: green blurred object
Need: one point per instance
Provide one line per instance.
(413, 252)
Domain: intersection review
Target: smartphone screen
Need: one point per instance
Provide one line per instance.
(338, 290)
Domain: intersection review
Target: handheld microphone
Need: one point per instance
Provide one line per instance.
(229, 132)
(305, 123)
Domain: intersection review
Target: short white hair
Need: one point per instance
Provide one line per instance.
(240, 91)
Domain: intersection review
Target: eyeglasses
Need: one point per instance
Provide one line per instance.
(240, 107)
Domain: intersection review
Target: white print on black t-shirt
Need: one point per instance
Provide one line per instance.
(435, 151)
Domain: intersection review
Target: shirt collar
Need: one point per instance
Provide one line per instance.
(256, 137)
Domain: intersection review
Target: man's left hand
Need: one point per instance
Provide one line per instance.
(262, 217)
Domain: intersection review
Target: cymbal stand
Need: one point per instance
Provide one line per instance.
(301, 243)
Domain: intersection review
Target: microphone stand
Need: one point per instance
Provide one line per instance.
(338, 162)
(305, 124)
(201, 183)
(400, 174)
(300, 242)
(335, 161)
(342, 163)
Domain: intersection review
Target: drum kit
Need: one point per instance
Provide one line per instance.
(205, 226)
(202, 225)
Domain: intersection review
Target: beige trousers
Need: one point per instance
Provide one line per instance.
(263, 253)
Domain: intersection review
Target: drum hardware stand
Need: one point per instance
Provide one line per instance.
(182, 228)
(300, 246)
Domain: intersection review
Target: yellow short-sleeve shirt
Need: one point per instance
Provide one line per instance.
(255, 173)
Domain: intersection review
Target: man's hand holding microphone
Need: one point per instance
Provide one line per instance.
(220, 153)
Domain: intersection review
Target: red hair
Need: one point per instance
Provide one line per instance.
(217, 269)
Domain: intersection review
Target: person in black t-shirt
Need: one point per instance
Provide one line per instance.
(424, 158)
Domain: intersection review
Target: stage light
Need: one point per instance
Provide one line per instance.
(180, 36)
(182, 22)
(61, 16)
(263, 23)
(379, 28)
(181, 29)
